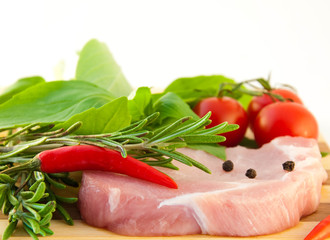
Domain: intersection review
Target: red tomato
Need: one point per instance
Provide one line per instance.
(225, 109)
(259, 102)
(284, 119)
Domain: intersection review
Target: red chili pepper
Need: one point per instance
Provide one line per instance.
(86, 157)
(320, 231)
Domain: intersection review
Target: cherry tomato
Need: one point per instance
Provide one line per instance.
(259, 102)
(284, 119)
(225, 109)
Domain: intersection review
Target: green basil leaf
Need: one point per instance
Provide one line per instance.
(19, 86)
(172, 107)
(198, 82)
(51, 102)
(106, 119)
(214, 149)
(97, 65)
(194, 88)
(139, 106)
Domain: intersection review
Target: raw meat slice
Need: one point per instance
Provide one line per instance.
(221, 203)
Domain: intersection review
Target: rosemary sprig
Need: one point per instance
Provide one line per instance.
(28, 196)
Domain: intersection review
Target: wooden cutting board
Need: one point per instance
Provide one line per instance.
(82, 231)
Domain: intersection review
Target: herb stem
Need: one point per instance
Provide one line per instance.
(138, 146)
(19, 132)
(31, 165)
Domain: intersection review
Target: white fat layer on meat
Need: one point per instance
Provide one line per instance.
(184, 199)
(188, 201)
(200, 217)
(114, 198)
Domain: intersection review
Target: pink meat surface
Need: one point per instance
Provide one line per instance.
(221, 203)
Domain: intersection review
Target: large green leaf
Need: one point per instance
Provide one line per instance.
(139, 106)
(97, 65)
(172, 107)
(54, 101)
(197, 83)
(19, 86)
(106, 119)
(193, 89)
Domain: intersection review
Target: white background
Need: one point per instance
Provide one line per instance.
(156, 42)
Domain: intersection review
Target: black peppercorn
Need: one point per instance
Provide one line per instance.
(251, 173)
(228, 166)
(288, 166)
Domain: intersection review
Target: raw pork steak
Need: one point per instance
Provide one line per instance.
(221, 203)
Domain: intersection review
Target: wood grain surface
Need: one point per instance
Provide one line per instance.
(82, 231)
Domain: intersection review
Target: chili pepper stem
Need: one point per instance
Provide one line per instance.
(33, 164)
